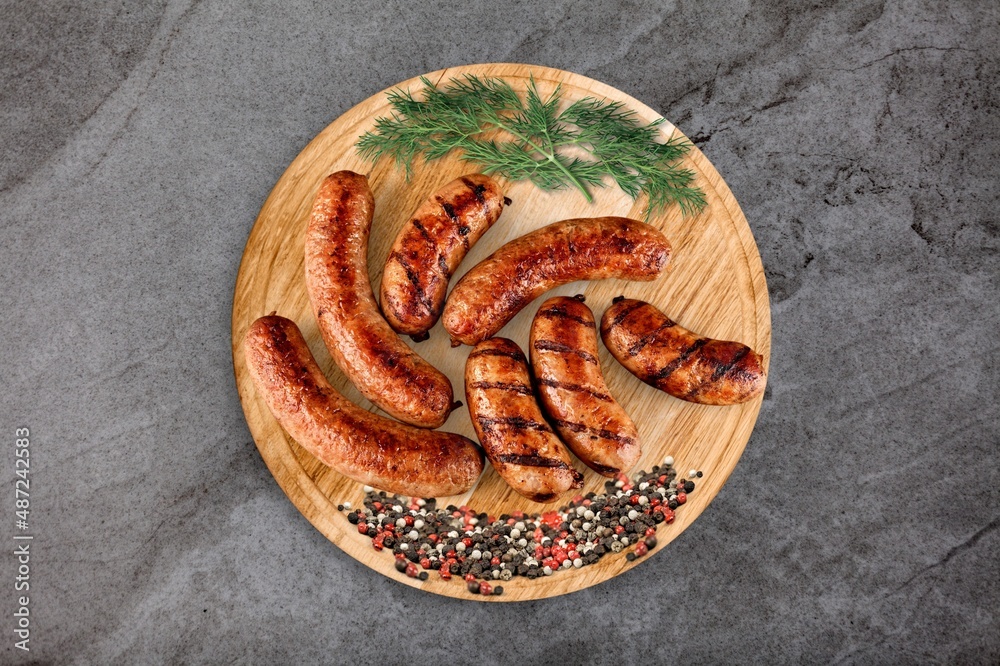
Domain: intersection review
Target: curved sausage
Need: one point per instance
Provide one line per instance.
(671, 358)
(572, 390)
(384, 369)
(492, 292)
(430, 247)
(366, 447)
(518, 442)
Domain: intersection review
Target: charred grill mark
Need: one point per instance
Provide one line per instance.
(515, 422)
(607, 470)
(600, 432)
(414, 279)
(450, 211)
(516, 355)
(620, 317)
(532, 460)
(478, 190)
(556, 312)
(646, 339)
(453, 215)
(503, 386)
(443, 265)
(550, 345)
(576, 388)
(721, 371)
(669, 368)
(423, 231)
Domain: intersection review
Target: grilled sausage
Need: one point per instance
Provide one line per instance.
(430, 247)
(384, 369)
(361, 445)
(673, 359)
(572, 390)
(519, 443)
(492, 292)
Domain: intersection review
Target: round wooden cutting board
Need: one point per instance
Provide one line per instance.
(715, 287)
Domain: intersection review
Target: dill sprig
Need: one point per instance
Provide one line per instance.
(490, 124)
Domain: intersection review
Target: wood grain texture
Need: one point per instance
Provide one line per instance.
(714, 286)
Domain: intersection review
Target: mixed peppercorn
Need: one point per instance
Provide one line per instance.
(458, 541)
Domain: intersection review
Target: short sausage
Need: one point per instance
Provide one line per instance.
(429, 248)
(366, 447)
(496, 289)
(572, 390)
(671, 358)
(518, 442)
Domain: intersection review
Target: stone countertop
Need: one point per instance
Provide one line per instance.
(862, 140)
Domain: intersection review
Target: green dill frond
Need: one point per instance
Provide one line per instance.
(530, 139)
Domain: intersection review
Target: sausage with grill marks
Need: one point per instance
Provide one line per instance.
(572, 391)
(518, 442)
(429, 248)
(373, 357)
(671, 358)
(496, 289)
(366, 447)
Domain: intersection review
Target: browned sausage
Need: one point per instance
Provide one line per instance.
(384, 369)
(518, 442)
(361, 445)
(673, 359)
(495, 290)
(572, 390)
(430, 247)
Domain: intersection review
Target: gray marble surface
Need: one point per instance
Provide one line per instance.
(862, 140)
